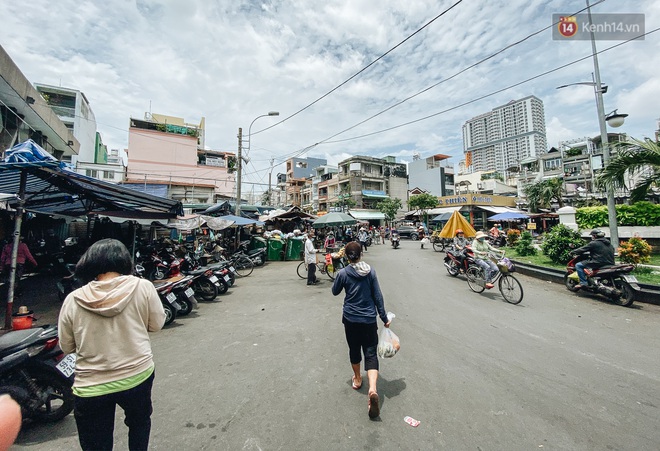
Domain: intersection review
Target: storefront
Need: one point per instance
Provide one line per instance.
(476, 208)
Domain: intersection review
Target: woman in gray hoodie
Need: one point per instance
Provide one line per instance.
(106, 323)
(363, 303)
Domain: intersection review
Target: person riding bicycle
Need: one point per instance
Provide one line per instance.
(482, 250)
(601, 253)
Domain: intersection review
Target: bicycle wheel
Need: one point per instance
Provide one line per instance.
(336, 267)
(302, 270)
(511, 289)
(243, 266)
(439, 245)
(476, 279)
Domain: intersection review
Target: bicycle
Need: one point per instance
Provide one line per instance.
(322, 267)
(439, 244)
(510, 288)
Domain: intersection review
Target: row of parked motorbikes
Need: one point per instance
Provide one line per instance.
(37, 374)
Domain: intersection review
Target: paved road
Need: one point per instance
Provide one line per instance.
(266, 368)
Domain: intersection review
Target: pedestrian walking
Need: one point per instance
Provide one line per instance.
(421, 236)
(363, 304)
(310, 258)
(106, 323)
(362, 238)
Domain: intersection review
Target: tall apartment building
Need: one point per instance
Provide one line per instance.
(500, 139)
(166, 157)
(433, 174)
(73, 109)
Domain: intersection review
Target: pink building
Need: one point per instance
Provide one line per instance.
(166, 156)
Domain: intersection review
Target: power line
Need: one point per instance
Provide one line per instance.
(361, 70)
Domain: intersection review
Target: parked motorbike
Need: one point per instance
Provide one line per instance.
(613, 282)
(258, 255)
(31, 374)
(168, 299)
(205, 284)
(457, 261)
(396, 240)
(185, 295)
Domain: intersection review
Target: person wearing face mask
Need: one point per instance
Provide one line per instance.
(482, 249)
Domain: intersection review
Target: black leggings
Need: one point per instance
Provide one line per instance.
(362, 337)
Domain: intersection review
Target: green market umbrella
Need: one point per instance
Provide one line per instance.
(334, 219)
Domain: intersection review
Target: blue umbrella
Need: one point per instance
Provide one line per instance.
(508, 216)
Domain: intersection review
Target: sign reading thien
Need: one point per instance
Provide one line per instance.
(605, 27)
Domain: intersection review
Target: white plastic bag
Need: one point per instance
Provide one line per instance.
(388, 342)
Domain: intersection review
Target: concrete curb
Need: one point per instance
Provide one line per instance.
(649, 294)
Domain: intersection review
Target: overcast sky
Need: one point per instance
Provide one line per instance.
(231, 61)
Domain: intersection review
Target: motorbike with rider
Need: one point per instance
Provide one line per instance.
(593, 269)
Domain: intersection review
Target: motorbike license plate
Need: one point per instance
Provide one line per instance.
(189, 292)
(213, 279)
(67, 365)
(171, 297)
(631, 279)
(232, 269)
(227, 278)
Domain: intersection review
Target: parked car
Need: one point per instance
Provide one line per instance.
(408, 232)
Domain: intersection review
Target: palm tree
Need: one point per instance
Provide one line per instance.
(552, 189)
(633, 158)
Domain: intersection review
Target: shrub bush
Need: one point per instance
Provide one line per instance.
(512, 236)
(524, 247)
(638, 214)
(559, 242)
(635, 251)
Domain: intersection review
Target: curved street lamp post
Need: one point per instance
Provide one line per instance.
(614, 120)
(239, 164)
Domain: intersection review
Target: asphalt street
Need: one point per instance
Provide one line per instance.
(265, 367)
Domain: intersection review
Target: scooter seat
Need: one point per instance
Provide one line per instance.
(12, 341)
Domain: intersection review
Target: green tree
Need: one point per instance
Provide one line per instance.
(389, 207)
(541, 194)
(633, 158)
(423, 202)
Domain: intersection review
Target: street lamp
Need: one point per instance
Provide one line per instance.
(239, 164)
(614, 120)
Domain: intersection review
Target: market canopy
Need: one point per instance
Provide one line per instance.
(240, 221)
(441, 218)
(36, 181)
(508, 216)
(51, 188)
(367, 215)
(457, 221)
(334, 219)
(286, 215)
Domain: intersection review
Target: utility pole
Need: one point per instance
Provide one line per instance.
(270, 175)
(239, 169)
(598, 87)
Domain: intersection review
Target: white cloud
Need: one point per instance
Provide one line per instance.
(232, 61)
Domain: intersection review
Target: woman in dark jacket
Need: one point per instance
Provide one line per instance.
(363, 303)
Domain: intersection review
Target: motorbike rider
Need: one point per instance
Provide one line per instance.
(460, 243)
(601, 253)
(393, 234)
